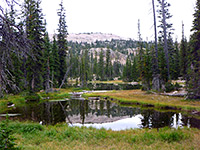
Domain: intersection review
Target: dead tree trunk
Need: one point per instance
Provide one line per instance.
(156, 77)
(48, 76)
(66, 74)
(165, 37)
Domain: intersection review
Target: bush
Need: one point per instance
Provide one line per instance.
(26, 128)
(174, 136)
(169, 87)
(7, 141)
(32, 97)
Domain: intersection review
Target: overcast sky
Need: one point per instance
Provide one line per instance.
(118, 17)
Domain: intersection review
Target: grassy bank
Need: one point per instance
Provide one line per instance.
(20, 99)
(138, 97)
(31, 136)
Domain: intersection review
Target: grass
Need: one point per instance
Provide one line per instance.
(138, 97)
(19, 100)
(34, 136)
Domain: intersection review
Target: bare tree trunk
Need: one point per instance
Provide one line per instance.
(65, 112)
(156, 77)
(52, 77)
(165, 37)
(155, 31)
(66, 74)
(1, 82)
(48, 76)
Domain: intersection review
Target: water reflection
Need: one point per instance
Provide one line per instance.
(105, 86)
(100, 114)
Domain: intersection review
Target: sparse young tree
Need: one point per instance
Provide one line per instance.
(166, 29)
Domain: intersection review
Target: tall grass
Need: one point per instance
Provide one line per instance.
(38, 136)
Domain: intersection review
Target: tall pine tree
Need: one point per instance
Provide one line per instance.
(35, 31)
(193, 83)
(62, 42)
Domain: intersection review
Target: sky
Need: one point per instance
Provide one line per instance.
(119, 17)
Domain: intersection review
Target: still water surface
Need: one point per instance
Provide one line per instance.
(99, 114)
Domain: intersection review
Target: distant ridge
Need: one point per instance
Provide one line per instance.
(92, 37)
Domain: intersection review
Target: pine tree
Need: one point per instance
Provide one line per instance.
(147, 68)
(135, 74)
(101, 71)
(16, 60)
(193, 83)
(166, 29)
(13, 44)
(141, 61)
(156, 83)
(35, 31)
(54, 64)
(175, 62)
(95, 68)
(62, 42)
(183, 55)
(108, 65)
(127, 72)
(47, 53)
(84, 71)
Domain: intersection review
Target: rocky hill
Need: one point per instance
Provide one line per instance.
(92, 37)
(119, 47)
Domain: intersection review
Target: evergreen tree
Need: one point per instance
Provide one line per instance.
(193, 83)
(175, 62)
(54, 64)
(47, 54)
(141, 62)
(84, 69)
(135, 74)
(95, 68)
(156, 83)
(147, 68)
(35, 32)
(108, 66)
(127, 72)
(16, 60)
(101, 71)
(183, 55)
(166, 29)
(162, 64)
(62, 42)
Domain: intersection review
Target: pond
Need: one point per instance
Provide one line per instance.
(99, 114)
(112, 86)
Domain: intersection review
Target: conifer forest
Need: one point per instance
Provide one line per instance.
(36, 65)
(31, 61)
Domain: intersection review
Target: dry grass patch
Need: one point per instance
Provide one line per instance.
(138, 96)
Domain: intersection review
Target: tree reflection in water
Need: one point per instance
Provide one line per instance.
(98, 111)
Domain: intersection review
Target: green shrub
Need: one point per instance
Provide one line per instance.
(32, 97)
(169, 87)
(51, 133)
(7, 141)
(26, 128)
(174, 136)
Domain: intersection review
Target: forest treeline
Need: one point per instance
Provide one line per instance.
(30, 61)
